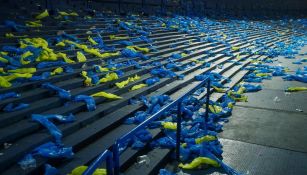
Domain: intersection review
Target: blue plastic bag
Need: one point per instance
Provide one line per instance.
(90, 102)
(9, 95)
(47, 64)
(152, 81)
(64, 94)
(52, 150)
(11, 107)
(50, 170)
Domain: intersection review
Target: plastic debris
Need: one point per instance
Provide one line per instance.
(295, 89)
(142, 160)
(199, 161)
(90, 102)
(81, 169)
(42, 15)
(106, 95)
(64, 94)
(27, 162)
(52, 150)
(50, 170)
(126, 82)
(11, 107)
(9, 95)
(276, 99)
(139, 86)
(81, 57)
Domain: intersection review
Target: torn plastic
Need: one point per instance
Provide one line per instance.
(81, 169)
(27, 162)
(64, 94)
(138, 86)
(11, 107)
(296, 89)
(9, 95)
(152, 81)
(60, 118)
(90, 102)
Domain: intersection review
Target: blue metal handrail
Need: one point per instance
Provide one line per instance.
(105, 156)
(177, 102)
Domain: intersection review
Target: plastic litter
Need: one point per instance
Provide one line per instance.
(295, 89)
(80, 170)
(54, 131)
(276, 99)
(27, 162)
(52, 150)
(9, 95)
(81, 57)
(126, 82)
(64, 94)
(11, 107)
(42, 15)
(139, 86)
(152, 81)
(90, 102)
(142, 160)
(198, 162)
(106, 95)
(50, 170)
(165, 172)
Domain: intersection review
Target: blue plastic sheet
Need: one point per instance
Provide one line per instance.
(64, 94)
(27, 162)
(165, 172)
(90, 102)
(298, 76)
(252, 88)
(9, 95)
(14, 26)
(11, 107)
(163, 73)
(43, 76)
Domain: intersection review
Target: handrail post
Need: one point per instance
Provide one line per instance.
(116, 157)
(110, 165)
(178, 134)
(207, 101)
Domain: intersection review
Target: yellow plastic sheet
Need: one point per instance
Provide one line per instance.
(139, 86)
(68, 14)
(142, 49)
(109, 77)
(103, 69)
(81, 57)
(215, 109)
(184, 54)
(80, 170)
(93, 42)
(57, 71)
(295, 89)
(235, 48)
(25, 55)
(3, 60)
(262, 74)
(198, 162)
(44, 14)
(169, 125)
(24, 70)
(232, 95)
(126, 82)
(220, 90)
(106, 95)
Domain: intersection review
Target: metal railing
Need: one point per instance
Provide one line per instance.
(115, 163)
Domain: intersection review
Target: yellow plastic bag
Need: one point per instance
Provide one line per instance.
(57, 71)
(113, 37)
(68, 14)
(215, 109)
(142, 49)
(109, 77)
(44, 14)
(93, 42)
(184, 54)
(65, 58)
(205, 138)
(126, 82)
(3, 60)
(139, 86)
(81, 57)
(235, 48)
(88, 80)
(23, 70)
(34, 23)
(199, 161)
(4, 83)
(60, 44)
(220, 90)
(106, 95)
(169, 125)
(80, 170)
(295, 89)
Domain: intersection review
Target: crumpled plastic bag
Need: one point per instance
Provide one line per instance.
(106, 95)
(198, 162)
(126, 82)
(9, 95)
(81, 57)
(152, 81)
(90, 102)
(64, 94)
(50, 170)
